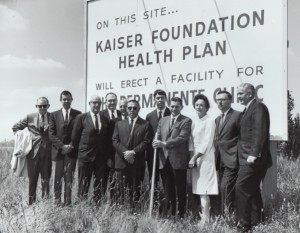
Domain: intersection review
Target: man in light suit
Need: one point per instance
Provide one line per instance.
(226, 138)
(160, 98)
(130, 140)
(90, 137)
(173, 135)
(39, 158)
(63, 153)
(254, 157)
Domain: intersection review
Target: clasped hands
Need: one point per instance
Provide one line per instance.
(66, 149)
(129, 156)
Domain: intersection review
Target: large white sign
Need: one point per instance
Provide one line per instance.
(134, 47)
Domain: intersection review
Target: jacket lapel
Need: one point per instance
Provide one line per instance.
(228, 115)
(90, 120)
(71, 116)
(249, 109)
(176, 123)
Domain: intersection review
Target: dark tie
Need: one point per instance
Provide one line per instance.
(66, 118)
(243, 113)
(221, 122)
(112, 115)
(42, 127)
(159, 115)
(96, 123)
(172, 123)
(130, 124)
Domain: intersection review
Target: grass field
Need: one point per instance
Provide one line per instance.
(16, 216)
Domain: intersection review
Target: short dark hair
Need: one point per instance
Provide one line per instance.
(134, 101)
(111, 93)
(177, 99)
(159, 92)
(201, 97)
(65, 92)
(227, 93)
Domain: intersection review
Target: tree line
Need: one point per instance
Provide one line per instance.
(291, 148)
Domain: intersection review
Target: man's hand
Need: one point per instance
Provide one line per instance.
(110, 163)
(66, 149)
(129, 156)
(251, 159)
(158, 144)
(192, 162)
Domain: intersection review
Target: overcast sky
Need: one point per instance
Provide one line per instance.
(42, 53)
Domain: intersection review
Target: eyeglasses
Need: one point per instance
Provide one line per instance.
(221, 100)
(132, 108)
(42, 106)
(95, 102)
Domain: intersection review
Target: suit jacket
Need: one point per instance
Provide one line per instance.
(153, 120)
(177, 141)
(60, 134)
(226, 139)
(110, 149)
(254, 134)
(90, 143)
(41, 144)
(137, 141)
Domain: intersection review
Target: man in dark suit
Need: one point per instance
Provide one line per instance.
(123, 109)
(173, 135)
(39, 158)
(63, 153)
(226, 138)
(130, 140)
(91, 136)
(160, 98)
(113, 115)
(254, 157)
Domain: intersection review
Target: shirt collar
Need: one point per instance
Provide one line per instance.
(162, 111)
(225, 113)
(175, 117)
(134, 119)
(93, 114)
(64, 110)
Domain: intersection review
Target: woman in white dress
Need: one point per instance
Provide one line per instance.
(204, 175)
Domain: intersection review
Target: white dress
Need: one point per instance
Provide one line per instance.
(204, 176)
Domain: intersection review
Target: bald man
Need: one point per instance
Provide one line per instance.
(90, 136)
(254, 158)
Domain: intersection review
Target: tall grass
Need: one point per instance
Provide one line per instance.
(17, 216)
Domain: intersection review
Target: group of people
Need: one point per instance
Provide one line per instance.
(114, 146)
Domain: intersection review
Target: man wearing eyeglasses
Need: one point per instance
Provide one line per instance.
(90, 137)
(63, 152)
(172, 140)
(39, 158)
(130, 139)
(226, 139)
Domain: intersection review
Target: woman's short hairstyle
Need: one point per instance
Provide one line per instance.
(201, 97)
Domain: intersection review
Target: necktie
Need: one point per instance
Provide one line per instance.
(243, 113)
(42, 127)
(159, 115)
(112, 115)
(221, 122)
(130, 124)
(66, 118)
(172, 123)
(96, 122)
